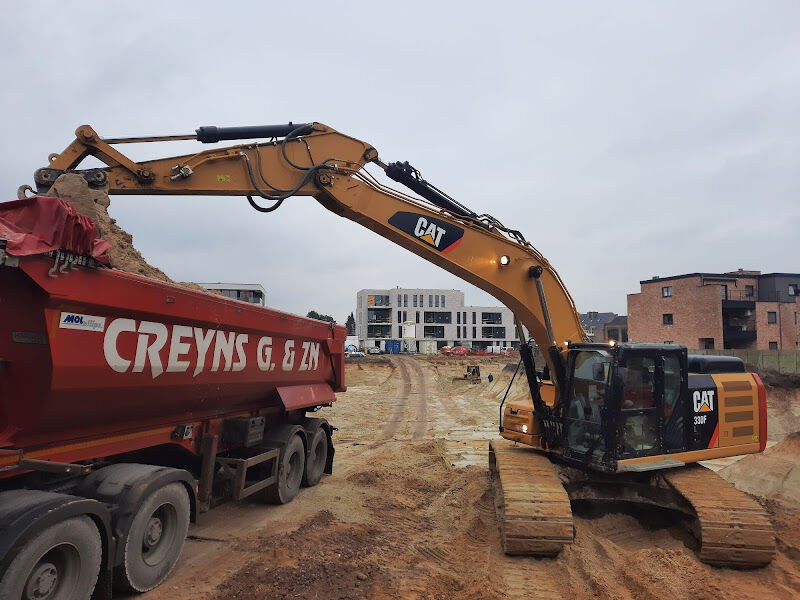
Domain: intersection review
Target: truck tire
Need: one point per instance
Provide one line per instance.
(291, 466)
(317, 457)
(60, 563)
(155, 539)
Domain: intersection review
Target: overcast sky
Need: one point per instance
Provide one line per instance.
(625, 139)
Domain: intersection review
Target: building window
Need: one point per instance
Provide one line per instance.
(399, 316)
(437, 300)
(433, 331)
(430, 300)
(405, 300)
(794, 289)
(491, 318)
(666, 319)
(415, 301)
(377, 300)
(723, 291)
(474, 330)
(772, 317)
(458, 318)
(773, 345)
(458, 331)
(495, 333)
(417, 316)
(379, 315)
(705, 343)
(465, 318)
(438, 317)
(749, 291)
(442, 300)
(379, 331)
(399, 300)
(613, 334)
(666, 291)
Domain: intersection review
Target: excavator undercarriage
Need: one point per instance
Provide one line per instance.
(533, 495)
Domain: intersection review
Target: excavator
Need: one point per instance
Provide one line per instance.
(618, 423)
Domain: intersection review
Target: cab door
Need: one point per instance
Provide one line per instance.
(638, 431)
(651, 387)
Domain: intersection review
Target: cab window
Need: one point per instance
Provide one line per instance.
(587, 396)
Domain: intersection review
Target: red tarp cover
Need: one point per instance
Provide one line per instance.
(40, 224)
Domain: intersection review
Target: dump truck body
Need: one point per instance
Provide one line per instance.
(94, 352)
(128, 406)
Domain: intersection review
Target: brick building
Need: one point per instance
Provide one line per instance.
(593, 322)
(736, 310)
(616, 329)
(605, 326)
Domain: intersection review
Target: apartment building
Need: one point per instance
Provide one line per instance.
(736, 310)
(415, 315)
(246, 292)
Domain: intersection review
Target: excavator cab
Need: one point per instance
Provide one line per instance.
(623, 402)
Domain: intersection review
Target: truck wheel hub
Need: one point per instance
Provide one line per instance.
(43, 582)
(155, 528)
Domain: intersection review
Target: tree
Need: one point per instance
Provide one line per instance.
(350, 323)
(312, 314)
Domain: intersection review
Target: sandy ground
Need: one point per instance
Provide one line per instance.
(408, 514)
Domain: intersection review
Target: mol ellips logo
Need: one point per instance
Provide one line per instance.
(70, 320)
(436, 233)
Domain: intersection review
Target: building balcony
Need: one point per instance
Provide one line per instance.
(738, 334)
(739, 304)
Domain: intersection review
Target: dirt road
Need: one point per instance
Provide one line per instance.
(408, 514)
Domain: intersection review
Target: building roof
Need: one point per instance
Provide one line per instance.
(731, 275)
(619, 320)
(596, 319)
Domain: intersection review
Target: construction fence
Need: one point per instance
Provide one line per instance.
(782, 361)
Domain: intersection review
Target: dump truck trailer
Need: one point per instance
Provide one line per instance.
(128, 406)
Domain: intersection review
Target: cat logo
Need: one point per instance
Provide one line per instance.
(436, 233)
(428, 232)
(703, 401)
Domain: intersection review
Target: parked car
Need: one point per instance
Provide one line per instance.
(459, 351)
(355, 353)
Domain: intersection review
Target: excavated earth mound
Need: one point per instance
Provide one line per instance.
(774, 474)
(94, 203)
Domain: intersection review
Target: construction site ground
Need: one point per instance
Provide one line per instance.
(408, 512)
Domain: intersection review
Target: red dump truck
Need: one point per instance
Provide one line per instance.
(128, 406)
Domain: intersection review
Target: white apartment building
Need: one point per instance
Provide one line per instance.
(413, 315)
(246, 292)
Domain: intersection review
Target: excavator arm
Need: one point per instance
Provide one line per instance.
(315, 160)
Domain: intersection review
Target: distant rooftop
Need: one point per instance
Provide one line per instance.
(741, 273)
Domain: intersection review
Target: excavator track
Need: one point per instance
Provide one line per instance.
(533, 508)
(733, 529)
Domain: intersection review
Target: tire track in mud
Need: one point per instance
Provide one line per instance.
(390, 426)
(421, 426)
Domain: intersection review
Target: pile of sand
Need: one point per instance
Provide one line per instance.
(774, 474)
(94, 203)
